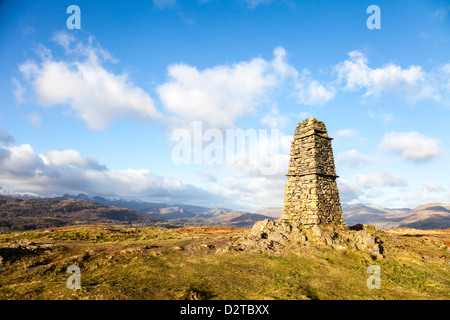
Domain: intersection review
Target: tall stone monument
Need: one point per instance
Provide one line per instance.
(312, 214)
(311, 193)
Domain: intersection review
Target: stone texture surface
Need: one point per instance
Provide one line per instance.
(311, 193)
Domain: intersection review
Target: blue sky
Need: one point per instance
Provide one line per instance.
(94, 110)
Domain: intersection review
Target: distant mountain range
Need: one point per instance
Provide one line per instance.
(26, 217)
(434, 215)
(30, 214)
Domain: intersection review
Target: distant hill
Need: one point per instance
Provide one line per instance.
(374, 215)
(171, 213)
(433, 215)
(30, 214)
(237, 219)
(274, 212)
(152, 208)
(52, 214)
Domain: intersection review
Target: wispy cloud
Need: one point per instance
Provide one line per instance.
(19, 91)
(274, 119)
(311, 92)
(252, 4)
(35, 119)
(387, 117)
(164, 4)
(442, 12)
(346, 133)
(347, 190)
(353, 158)
(385, 179)
(433, 186)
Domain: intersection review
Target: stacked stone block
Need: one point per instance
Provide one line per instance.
(311, 193)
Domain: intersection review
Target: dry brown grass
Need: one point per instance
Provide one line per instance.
(210, 230)
(93, 226)
(441, 234)
(417, 231)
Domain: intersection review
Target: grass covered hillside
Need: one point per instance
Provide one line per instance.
(194, 263)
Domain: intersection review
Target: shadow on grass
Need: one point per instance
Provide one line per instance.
(195, 293)
(13, 254)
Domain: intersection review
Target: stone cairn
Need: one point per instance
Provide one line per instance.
(311, 193)
(312, 213)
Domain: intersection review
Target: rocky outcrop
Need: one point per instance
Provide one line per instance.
(286, 235)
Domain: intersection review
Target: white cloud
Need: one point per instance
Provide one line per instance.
(379, 179)
(274, 119)
(55, 172)
(220, 94)
(280, 65)
(304, 115)
(311, 92)
(411, 145)
(353, 158)
(307, 90)
(254, 178)
(270, 156)
(18, 91)
(261, 181)
(254, 191)
(440, 79)
(412, 83)
(65, 40)
(20, 161)
(95, 94)
(387, 117)
(347, 190)
(433, 186)
(70, 157)
(346, 133)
